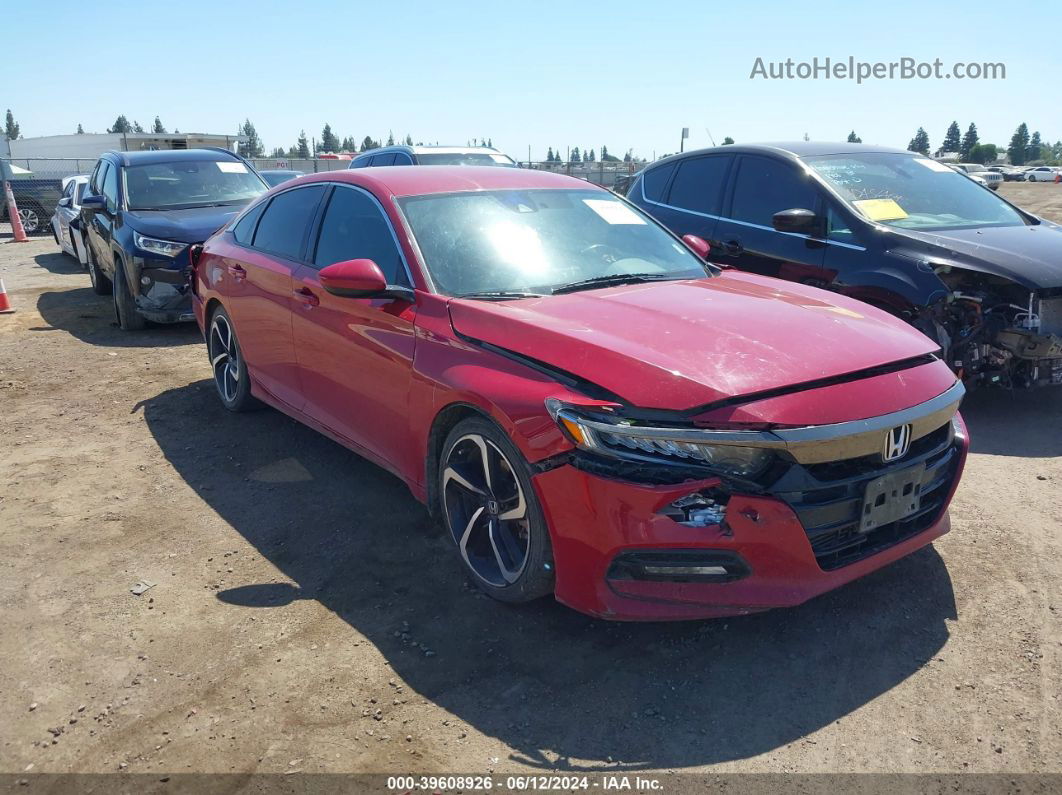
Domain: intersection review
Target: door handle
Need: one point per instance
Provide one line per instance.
(733, 247)
(237, 272)
(307, 297)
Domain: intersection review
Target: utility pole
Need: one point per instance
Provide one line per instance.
(682, 140)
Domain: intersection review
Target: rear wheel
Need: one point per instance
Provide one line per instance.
(124, 303)
(227, 362)
(101, 285)
(492, 513)
(32, 217)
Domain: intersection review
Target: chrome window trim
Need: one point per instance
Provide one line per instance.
(647, 200)
(812, 444)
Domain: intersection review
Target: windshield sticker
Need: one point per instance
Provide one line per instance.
(613, 212)
(880, 209)
(932, 165)
(230, 167)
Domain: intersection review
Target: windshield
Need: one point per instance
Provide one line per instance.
(190, 183)
(537, 240)
(464, 159)
(912, 192)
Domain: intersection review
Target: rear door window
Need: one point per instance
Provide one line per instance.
(285, 222)
(698, 184)
(383, 160)
(765, 186)
(655, 180)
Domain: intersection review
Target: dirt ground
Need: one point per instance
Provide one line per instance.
(307, 616)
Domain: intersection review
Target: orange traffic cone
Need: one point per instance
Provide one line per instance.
(1058, 177)
(5, 305)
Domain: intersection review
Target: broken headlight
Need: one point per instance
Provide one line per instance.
(721, 451)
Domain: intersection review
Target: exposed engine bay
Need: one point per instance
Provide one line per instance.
(995, 332)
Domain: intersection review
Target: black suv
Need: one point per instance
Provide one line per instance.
(141, 214)
(898, 230)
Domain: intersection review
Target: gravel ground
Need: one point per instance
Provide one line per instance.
(305, 614)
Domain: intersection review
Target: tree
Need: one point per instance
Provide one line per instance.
(368, 143)
(490, 143)
(121, 125)
(278, 151)
(157, 127)
(252, 147)
(920, 142)
(952, 140)
(302, 146)
(1019, 143)
(591, 157)
(728, 141)
(329, 142)
(176, 131)
(576, 156)
(80, 130)
(409, 140)
(1035, 148)
(137, 128)
(349, 144)
(11, 127)
(853, 138)
(969, 141)
(390, 138)
(549, 155)
(627, 157)
(983, 153)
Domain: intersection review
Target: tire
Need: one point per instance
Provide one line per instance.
(101, 285)
(510, 559)
(231, 380)
(124, 303)
(32, 216)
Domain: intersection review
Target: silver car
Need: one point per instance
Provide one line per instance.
(67, 210)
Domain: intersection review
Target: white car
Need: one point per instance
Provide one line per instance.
(1041, 174)
(67, 210)
(979, 174)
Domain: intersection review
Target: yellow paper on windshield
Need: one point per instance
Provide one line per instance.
(880, 209)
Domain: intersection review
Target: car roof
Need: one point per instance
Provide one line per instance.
(172, 156)
(426, 148)
(797, 149)
(405, 181)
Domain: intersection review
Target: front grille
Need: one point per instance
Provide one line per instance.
(828, 499)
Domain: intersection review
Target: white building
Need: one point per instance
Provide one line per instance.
(89, 146)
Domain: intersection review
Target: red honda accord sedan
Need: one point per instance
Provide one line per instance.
(590, 408)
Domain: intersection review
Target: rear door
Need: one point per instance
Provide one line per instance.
(270, 244)
(356, 354)
(691, 201)
(747, 239)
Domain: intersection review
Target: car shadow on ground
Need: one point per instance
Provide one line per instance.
(58, 262)
(563, 690)
(90, 318)
(1019, 423)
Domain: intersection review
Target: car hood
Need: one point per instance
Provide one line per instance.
(193, 225)
(1028, 255)
(684, 344)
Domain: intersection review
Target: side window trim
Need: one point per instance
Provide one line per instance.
(319, 221)
(301, 259)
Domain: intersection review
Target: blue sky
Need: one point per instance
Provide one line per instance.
(627, 75)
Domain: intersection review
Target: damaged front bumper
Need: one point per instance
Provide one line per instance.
(162, 291)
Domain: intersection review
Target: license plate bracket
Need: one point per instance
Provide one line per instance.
(892, 497)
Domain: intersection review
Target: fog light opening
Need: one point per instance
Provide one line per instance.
(679, 565)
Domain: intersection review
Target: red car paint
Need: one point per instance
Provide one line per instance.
(376, 374)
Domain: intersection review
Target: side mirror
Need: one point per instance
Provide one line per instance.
(698, 245)
(803, 222)
(353, 278)
(94, 202)
(64, 202)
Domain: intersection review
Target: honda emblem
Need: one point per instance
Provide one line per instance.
(897, 443)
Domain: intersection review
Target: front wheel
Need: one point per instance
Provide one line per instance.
(492, 513)
(124, 303)
(101, 285)
(227, 362)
